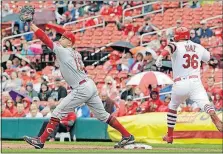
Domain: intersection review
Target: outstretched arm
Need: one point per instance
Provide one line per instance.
(164, 53)
(42, 36)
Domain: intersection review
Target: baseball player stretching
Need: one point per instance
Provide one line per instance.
(84, 89)
(186, 61)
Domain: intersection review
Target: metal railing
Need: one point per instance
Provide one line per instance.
(142, 14)
(14, 36)
(215, 17)
(83, 21)
(182, 3)
(150, 33)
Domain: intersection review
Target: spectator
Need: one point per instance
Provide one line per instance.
(137, 92)
(15, 81)
(16, 62)
(5, 112)
(56, 70)
(195, 4)
(28, 37)
(155, 44)
(9, 68)
(149, 63)
(110, 87)
(23, 75)
(59, 91)
(24, 64)
(16, 29)
(204, 31)
(6, 10)
(147, 8)
(94, 7)
(218, 100)
(126, 92)
(45, 108)
(154, 101)
(82, 111)
(20, 110)
(108, 103)
(127, 108)
(65, 18)
(36, 100)
(34, 77)
(26, 102)
(73, 12)
(26, 50)
(114, 60)
(129, 28)
(163, 44)
(211, 89)
(184, 108)
(31, 92)
(18, 99)
(65, 125)
(164, 106)
(194, 38)
(126, 61)
(170, 32)
(34, 112)
(44, 92)
(5, 82)
(147, 27)
(138, 64)
(47, 113)
(10, 106)
(8, 47)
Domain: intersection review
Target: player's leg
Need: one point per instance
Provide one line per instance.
(68, 104)
(200, 96)
(96, 106)
(178, 96)
(98, 110)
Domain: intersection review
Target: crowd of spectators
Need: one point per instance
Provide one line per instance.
(39, 93)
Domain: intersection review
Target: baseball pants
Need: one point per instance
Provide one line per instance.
(189, 88)
(84, 93)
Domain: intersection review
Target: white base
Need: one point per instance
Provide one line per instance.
(138, 146)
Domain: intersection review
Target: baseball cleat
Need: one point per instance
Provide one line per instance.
(125, 141)
(34, 142)
(168, 139)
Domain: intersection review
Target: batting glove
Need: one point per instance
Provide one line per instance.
(159, 61)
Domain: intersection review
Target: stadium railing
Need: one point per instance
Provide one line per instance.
(215, 17)
(150, 33)
(84, 20)
(142, 14)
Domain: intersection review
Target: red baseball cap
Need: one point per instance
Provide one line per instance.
(70, 36)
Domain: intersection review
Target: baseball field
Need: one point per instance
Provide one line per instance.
(106, 147)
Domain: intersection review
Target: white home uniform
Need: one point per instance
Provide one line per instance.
(186, 59)
(84, 89)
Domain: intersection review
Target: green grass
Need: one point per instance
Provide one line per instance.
(106, 147)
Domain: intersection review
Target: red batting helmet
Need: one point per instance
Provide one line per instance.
(181, 33)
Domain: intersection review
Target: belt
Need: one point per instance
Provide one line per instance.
(183, 78)
(81, 82)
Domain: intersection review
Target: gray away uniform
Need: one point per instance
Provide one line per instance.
(84, 89)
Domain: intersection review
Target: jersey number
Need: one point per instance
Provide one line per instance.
(191, 61)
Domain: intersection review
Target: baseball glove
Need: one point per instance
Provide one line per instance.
(26, 13)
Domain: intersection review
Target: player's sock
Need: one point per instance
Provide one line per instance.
(171, 121)
(113, 122)
(49, 129)
(209, 109)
